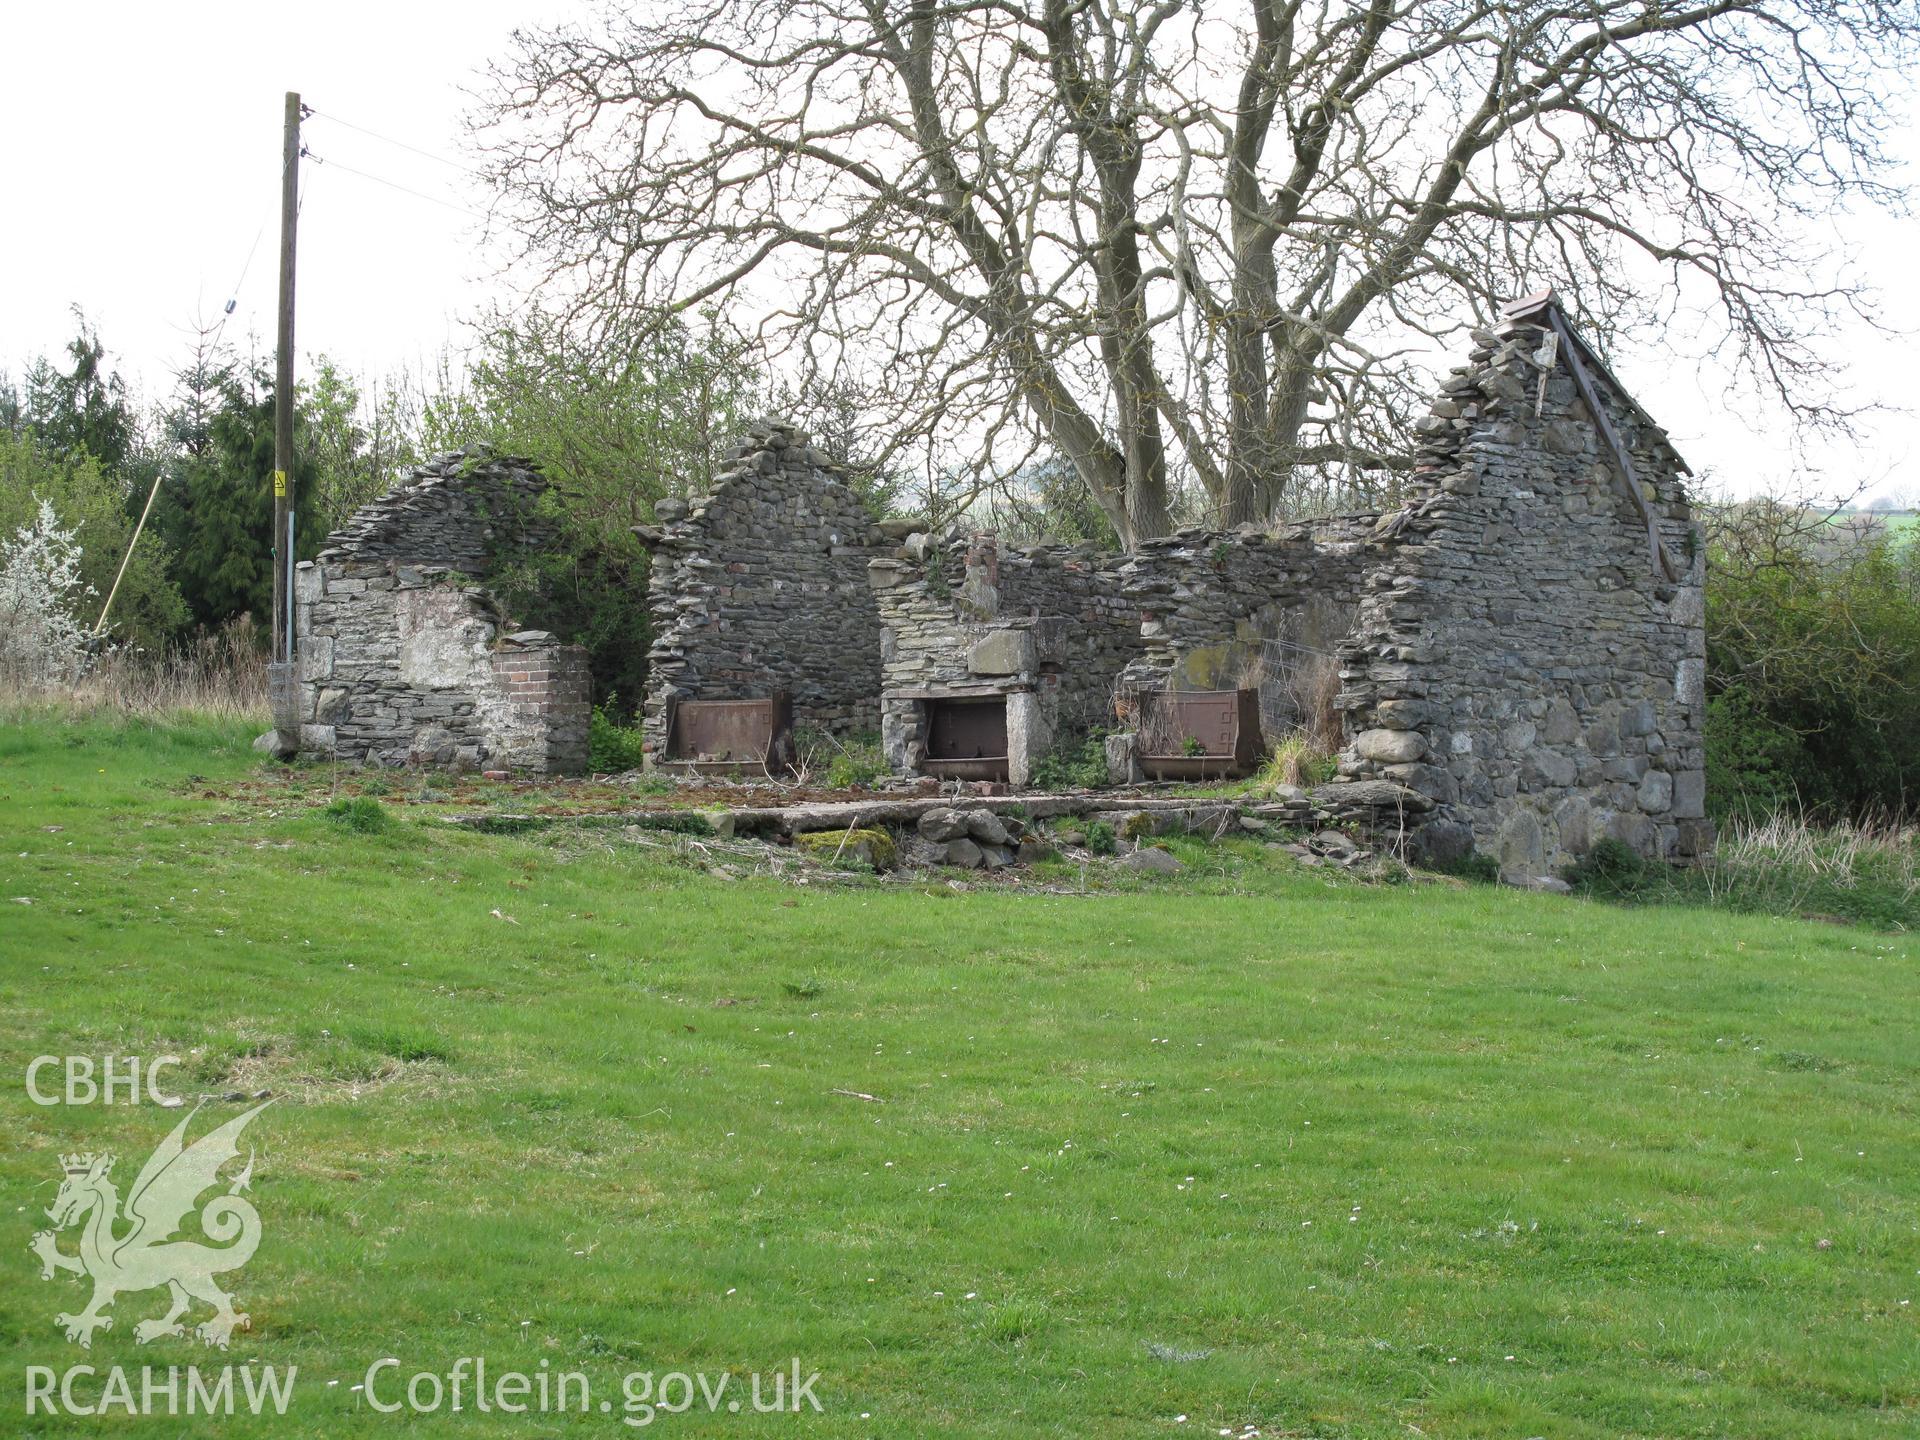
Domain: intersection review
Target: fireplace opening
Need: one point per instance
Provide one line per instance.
(967, 738)
(727, 737)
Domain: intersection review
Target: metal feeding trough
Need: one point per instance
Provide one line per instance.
(967, 738)
(730, 737)
(1200, 734)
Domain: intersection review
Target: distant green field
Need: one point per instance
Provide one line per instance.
(1247, 1149)
(1899, 523)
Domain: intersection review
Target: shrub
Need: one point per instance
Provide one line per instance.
(40, 586)
(844, 764)
(361, 814)
(1611, 869)
(1868, 873)
(1755, 763)
(1813, 661)
(858, 766)
(1480, 869)
(1076, 764)
(612, 746)
(1101, 839)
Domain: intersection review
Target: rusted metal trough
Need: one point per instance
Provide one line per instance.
(1200, 734)
(730, 737)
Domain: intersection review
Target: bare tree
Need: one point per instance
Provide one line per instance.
(1175, 241)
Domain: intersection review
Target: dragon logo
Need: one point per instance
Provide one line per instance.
(147, 1256)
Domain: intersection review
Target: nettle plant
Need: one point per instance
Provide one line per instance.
(41, 640)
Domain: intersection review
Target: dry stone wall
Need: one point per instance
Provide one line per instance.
(1248, 608)
(762, 586)
(406, 658)
(1045, 625)
(1518, 657)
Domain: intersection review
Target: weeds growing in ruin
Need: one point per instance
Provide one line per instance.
(1298, 760)
(843, 763)
(1077, 763)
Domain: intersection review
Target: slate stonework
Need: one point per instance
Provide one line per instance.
(1508, 650)
(1518, 657)
(1515, 672)
(762, 586)
(1248, 609)
(404, 655)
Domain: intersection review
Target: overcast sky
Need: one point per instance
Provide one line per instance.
(142, 150)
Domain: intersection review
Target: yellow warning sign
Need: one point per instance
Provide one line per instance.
(279, 484)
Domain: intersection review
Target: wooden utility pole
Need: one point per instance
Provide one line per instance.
(283, 396)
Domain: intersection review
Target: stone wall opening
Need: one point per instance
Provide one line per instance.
(1044, 627)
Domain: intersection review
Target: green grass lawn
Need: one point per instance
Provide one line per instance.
(1303, 1155)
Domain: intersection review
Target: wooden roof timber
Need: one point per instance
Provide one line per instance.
(1543, 309)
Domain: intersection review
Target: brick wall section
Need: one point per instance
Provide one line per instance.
(548, 686)
(1516, 656)
(404, 656)
(762, 586)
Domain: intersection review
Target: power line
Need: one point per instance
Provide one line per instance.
(233, 295)
(389, 140)
(393, 185)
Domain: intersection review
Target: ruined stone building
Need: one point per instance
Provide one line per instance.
(760, 588)
(1518, 649)
(404, 655)
(1515, 655)
(1530, 651)
(988, 658)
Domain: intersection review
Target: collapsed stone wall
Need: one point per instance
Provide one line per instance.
(1513, 657)
(404, 656)
(1520, 658)
(1045, 625)
(761, 585)
(1248, 609)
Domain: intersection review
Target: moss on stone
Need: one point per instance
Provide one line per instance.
(873, 848)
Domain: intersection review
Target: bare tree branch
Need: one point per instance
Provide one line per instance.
(1201, 253)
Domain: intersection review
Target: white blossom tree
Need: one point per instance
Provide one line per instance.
(41, 636)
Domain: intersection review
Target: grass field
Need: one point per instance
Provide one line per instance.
(1300, 1155)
